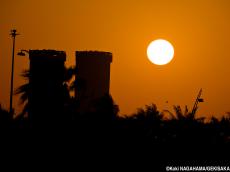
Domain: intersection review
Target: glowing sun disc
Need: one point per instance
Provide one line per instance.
(160, 52)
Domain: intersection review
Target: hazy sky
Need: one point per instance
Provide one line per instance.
(198, 29)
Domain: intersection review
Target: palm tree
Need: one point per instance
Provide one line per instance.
(25, 90)
(149, 113)
(180, 115)
(185, 115)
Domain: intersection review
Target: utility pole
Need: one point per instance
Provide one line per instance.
(13, 35)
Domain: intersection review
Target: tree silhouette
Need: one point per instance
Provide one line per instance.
(181, 115)
(106, 107)
(5, 118)
(149, 113)
(25, 90)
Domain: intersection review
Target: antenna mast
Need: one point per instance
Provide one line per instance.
(198, 99)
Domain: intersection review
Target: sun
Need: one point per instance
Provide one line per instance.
(160, 52)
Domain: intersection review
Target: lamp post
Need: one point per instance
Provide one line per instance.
(13, 35)
(23, 52)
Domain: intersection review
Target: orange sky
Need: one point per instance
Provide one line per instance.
(198, 29)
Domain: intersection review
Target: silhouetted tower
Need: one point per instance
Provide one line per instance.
(93, 76)
(46, 82)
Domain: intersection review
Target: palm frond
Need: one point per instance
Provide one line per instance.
(186, 111)
(23, 91)
(23, 88)
(24, 110)
(178, 111)
(171, 115)
(25, 74)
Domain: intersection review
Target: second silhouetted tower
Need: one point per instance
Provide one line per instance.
(93, 76)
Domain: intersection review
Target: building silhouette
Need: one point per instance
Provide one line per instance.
(93, 77)
(46, 83)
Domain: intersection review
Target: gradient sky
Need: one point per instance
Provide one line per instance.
(198, 29)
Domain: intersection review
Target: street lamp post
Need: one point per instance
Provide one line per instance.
(23, 52)
(13, 34)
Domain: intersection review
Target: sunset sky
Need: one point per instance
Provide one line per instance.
(198, 29)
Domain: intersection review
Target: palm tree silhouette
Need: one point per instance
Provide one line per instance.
(181, 115)
(25, 90)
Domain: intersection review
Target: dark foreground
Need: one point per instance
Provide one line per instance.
(92, 141)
